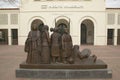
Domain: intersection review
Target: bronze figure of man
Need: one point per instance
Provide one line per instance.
(55, 45)
(67, 46)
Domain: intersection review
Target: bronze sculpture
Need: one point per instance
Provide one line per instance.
(50, 57)
(55, 45)
(84, 54)
(67, 47)
(59, 49)
(45, 44)
(33, 46)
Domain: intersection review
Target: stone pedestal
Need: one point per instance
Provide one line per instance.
(63, 73)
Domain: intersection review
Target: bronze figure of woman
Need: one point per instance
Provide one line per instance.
(45, 43)
(33, 46)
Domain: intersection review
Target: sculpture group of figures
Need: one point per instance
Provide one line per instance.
(58, 48)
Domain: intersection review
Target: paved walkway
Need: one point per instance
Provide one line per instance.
(12, 56)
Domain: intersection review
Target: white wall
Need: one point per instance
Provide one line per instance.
(90, 5)
(48, 11)
(75, 18)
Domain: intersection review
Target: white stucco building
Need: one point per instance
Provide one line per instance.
(89, 21)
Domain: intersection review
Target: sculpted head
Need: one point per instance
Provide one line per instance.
(34, 27)
(66, 30)
(45, 28)
(51, 29)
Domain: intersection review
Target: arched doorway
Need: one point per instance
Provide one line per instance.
(87, 32)
(84, 33)
(62, 23)
(38, 22)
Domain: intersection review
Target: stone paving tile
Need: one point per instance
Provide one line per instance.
(12, 56)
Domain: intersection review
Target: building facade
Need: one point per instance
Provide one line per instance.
(9, 26)
(113, 26)
(89, 21)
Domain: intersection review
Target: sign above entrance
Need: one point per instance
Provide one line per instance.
(61, 6)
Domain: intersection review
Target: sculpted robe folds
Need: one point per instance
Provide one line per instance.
(55, 44)
(33, 47)
(66, 45)
(45, 54)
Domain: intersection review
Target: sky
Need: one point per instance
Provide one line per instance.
(7, 4)
(112, 3)
(15, 4)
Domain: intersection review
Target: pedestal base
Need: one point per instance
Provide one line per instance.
(99, 64)
(63, 73)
